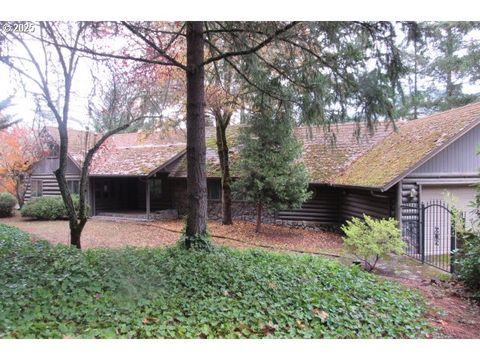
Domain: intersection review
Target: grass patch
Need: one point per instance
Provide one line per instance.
(57, 291)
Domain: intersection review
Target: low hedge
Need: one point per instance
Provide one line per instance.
(48, 208)
(7, 204)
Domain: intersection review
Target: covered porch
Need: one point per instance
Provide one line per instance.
(132, 197)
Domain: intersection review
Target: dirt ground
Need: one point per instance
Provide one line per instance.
(450, 311)
(113, 234)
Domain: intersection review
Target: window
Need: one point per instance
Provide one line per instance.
(37, 188)
(73, 186)
(213, 190)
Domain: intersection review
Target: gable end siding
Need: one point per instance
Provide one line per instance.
(458, 159)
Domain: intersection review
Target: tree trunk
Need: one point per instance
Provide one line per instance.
(449, 51)
(19, 192)
(75, 234)
(259, 218)
(196, 147)
(222, 147)
(415, 91)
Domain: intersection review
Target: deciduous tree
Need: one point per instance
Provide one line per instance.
(51, 53)
(19, 151)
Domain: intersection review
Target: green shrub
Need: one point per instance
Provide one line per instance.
(47, 208)
(371, 239)
(56, 291)
(7, 203)
(467, 261)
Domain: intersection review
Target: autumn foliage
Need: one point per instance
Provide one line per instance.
(19, 151)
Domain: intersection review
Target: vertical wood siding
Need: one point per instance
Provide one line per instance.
(458, 158)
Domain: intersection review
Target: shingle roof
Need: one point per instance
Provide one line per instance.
(404, 150)
(79, 142)
(134, 160)
(137, 154)
(344, 155)
(326, 150)
(129, 154)
(329, 151)
(212, 161)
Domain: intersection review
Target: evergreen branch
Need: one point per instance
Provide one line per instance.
(253, 49)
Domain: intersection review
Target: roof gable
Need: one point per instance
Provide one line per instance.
(137, 154)
(413, 144)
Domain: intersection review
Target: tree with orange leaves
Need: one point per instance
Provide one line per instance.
(19, 151)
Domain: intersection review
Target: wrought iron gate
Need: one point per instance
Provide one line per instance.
(429, 230)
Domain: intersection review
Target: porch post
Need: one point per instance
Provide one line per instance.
(92, 197)
(148, 199)
(399, 204)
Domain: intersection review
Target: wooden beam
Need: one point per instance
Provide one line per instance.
(399, 204)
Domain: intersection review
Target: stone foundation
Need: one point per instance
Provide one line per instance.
(241, 210)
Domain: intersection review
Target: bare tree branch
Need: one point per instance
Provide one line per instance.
(251, 50)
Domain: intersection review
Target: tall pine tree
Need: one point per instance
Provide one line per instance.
(450, 66)
(269, 174)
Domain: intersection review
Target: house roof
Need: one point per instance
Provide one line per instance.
(347, 154)
(79, 142)
(329, 151)
(212, 160)
(352, 155)
(134, 160)
(326, 150)
(129, 154)
(416, 141)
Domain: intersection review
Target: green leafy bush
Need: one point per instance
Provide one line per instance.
(7, 204)
(57, 291)
(371, 239)
(467, 261)
(47, 208)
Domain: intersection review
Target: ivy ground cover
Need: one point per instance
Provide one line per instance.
(54, 291)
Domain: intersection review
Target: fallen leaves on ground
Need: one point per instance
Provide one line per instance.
(272, 236)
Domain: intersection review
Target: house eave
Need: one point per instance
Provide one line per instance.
(346, 186)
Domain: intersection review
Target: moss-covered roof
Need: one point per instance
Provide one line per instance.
(212, 160)
(403, 150)
(345, 154)
(329, 151)
(349, 154)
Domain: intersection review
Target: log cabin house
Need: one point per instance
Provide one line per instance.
(353, 170)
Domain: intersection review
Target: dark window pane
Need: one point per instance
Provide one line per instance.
(213, 189)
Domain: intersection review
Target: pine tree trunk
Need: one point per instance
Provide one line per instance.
(196, 147)
(415, 73)
(222, 148)
(259, 218)
(449, 51)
